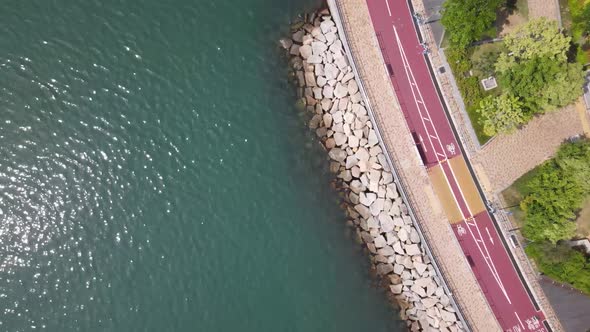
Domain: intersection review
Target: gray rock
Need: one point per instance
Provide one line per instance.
(310, 79)
(398, 248)
(326, 26)
(380, 242)
(386, 251)
(414, 236)
(356, 98)
(372, 223)
(396, 289)
(341, 62)
(367, 198)
(340, 90)
(418, 290)
(314, 59)
(351, 161)
(386, 222)
(384, 269)
(353, 142)
(429, 302)
(328, 92)
(298, 36)
(315, 121)
(352, 87)
(331, 71)
(327, 117)
(377, 206)
(356, 172)
(286, 43)
(305, 51)
(372, 138)
(330, 143)
(340, 139)
(337, 117)
(403, 235)
(420, 267)
(321, 81)
(413, 249)
(336, 47)
(317, 93)
(448, 316)
(330, 37)
(319, 70)
(354, 198)
(326, 103)
(387, 177)
(307, 39)
(362, 155)
(398, 269)
(318, 47)
(347, 77)
(316, 31)
(300, 78)
(342, 103)
(337, 155)
(356, 186)
(362, 210)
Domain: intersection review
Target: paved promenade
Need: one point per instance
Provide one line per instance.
(399, 143)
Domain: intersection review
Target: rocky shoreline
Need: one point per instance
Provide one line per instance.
(328, 90)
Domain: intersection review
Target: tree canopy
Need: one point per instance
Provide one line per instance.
(533, 69)
(501, 114)
(556, 193)
(540, 38)
(466, 20)
(543, 83)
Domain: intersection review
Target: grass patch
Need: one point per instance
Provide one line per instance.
(583, 220)
(514, 194)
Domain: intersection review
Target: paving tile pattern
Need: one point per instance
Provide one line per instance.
(507, 157)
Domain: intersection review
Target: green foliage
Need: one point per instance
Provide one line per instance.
(556, 192)
(562, 263)
(502, 114)
(539, 38)
(534, 75)
(466, 20)
(470, 88)
(580, 12)
(543, 83)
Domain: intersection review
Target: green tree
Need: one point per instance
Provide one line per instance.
(539, 38)
(543, 83)
(501, 114)
(466, 20)
(550, 207)
(562, 263)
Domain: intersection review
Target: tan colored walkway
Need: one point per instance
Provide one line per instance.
(544, 8)
(508, 157)
(397, 138)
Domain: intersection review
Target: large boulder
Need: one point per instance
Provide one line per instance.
(338, 154)
(340, 91)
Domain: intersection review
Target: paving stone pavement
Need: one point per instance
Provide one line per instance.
(507, 157)
(544, 8)
(414, 179)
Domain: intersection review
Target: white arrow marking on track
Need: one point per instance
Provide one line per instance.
(491, 239)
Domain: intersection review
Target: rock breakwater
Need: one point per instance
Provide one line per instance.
(329, 91)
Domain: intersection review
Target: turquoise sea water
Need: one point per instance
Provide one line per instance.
(155, 176)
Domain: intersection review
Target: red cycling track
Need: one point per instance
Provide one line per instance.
(405, 62)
